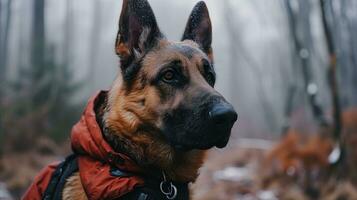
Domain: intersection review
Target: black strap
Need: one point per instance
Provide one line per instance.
(58, 180)
(151, 188)
(151, 192)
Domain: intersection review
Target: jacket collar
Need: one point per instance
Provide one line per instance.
(87, 139)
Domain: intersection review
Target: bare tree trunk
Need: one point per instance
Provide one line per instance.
(341, 167)
(94, 41)
(38, 33)
(67, 40)
(1, 89)
(1, 30)
(38, 51)
(5, 24)
(4, 33)
(302, 44)
(60, 75)
(332, 74)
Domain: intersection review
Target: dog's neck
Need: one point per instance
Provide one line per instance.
(178, 166)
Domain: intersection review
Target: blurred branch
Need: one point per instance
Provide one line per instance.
(5, 21)
(37, 53)
(302, 53)
(94, 42)
(4, 33)
(68, 33)
(341, 166)
(342, 21)
(332, 74)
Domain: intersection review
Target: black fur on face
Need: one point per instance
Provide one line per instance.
(190, 127)
(199, 28)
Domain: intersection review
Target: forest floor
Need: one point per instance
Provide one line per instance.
(18, 169)
(246, 170)
(249, 173)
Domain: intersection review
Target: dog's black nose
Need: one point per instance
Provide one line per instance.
(223, 116)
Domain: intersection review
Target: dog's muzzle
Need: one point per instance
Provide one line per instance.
(221, 120)
(214, 129)
(203, 124)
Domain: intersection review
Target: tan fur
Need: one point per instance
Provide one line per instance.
(122, 50)
(73, 189)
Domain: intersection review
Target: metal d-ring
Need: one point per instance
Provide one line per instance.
(163, 190)
(172, 192)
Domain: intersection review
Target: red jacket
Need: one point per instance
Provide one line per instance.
(94, 161)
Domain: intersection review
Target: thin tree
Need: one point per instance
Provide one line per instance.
(38, 68)
(5, 21)
(332, 73)
(4, 34)
(94, 42)
(302, 51)
(341, 166)
(68, 32)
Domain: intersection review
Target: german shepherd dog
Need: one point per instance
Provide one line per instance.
(162, 110)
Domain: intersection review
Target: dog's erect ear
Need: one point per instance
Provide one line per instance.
(199, 28)
(138, 30)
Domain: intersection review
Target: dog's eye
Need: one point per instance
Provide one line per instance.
(168, 76)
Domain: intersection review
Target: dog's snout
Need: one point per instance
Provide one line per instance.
(223, 116)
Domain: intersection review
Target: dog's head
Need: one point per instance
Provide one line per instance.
(165, 91)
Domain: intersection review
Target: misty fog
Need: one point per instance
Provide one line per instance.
(254, 56)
